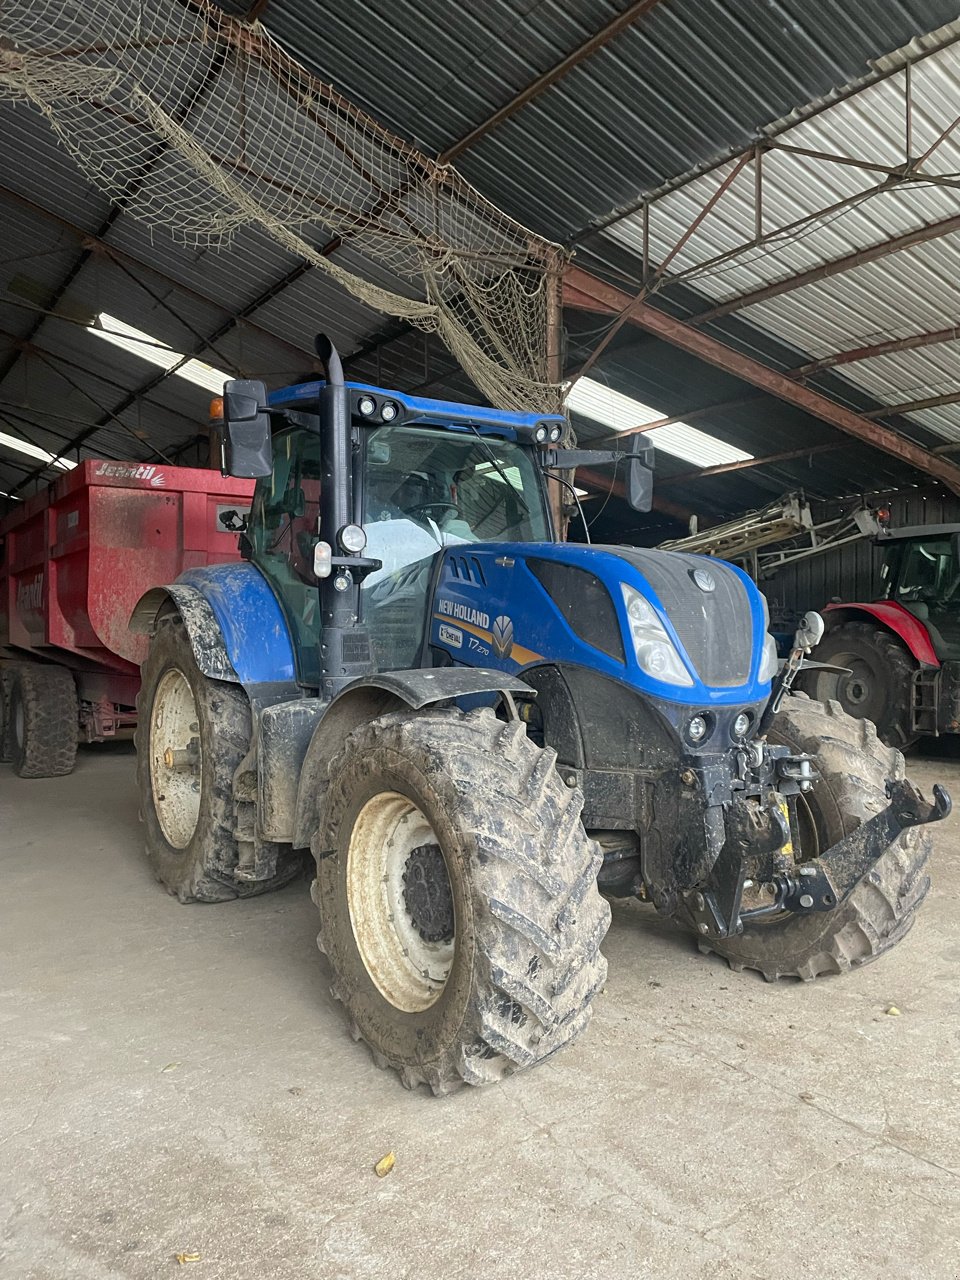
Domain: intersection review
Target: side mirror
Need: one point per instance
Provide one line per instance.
(247, 449)
(640, 474)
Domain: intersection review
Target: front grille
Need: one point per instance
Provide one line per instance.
(714, 627)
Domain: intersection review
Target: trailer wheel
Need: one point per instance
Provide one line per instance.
(192, 733)
(43, 728)
(6, 687)
(880, 686)
(458, 901)
(855, 766)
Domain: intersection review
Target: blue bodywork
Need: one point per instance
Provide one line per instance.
(251, 621)
(541, 633)
(446, 413)
(468, 606)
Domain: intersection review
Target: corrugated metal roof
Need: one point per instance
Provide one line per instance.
(692, 81)
(913, 291)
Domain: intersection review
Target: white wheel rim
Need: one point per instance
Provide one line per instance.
(176, 760)
(407, 969)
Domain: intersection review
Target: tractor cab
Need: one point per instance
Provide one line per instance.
(359, 490)
(421, 485)
(921, 573)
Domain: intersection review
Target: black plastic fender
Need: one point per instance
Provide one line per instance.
(374, 696)
(206, 638)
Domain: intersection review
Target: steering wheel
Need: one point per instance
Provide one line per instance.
(442, 507)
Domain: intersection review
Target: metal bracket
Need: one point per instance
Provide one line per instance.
(824, 883)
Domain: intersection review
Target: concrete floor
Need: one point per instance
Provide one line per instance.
(177, 1080)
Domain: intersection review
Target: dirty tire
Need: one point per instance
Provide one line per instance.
(7, 670)
(201, 871)
(526, 962)
(881, 686)
(43, 720)
(880, 911)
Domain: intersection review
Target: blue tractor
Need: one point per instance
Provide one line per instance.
(481, 734)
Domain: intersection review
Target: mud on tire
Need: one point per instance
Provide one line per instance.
(529, 920)
(855, 766)
(42, 720)
(200, 871)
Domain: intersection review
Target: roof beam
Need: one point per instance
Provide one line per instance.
(639, 9)
(705, 347)
(121, 256)
(860, 258)
(913, 406)
(745, 464)
(889, 347)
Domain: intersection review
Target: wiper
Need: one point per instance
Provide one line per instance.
(503, 475)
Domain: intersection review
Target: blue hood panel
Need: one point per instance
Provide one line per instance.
(491, 610)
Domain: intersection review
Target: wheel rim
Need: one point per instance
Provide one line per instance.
(400, 902)
(176, 760)
(856, 692)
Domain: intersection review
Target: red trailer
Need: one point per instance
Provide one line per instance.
(74, 560)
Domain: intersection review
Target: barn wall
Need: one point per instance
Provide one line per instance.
(851, 572)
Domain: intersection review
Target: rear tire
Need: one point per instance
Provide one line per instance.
(458, 901)
(43, 720)
(190, 838)
(880, 687)
(880, 911)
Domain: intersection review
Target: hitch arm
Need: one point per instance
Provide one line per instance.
(825, 882)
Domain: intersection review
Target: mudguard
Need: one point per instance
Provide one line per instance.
(235, 623)
(894, 617)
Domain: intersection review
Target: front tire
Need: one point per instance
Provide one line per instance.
(192, 733)
(458, 902)
(854, 767)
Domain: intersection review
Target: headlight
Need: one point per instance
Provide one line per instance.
(388, 411)
(656, 652)
(367, 405)
(741, 726)
(352, 538)
(769, 662)
(555, 432)
(541, 434)
(697, 728)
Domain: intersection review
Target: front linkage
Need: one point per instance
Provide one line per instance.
(756, 873)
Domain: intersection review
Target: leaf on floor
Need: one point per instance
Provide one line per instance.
(183, 1258)
(383, 1167)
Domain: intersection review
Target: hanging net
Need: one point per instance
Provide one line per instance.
(191, 120)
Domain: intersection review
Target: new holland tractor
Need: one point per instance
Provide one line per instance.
(482, 734)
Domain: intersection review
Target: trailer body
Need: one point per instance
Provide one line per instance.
(75, 558)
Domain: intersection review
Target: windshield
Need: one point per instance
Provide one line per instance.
(929, 574)
(425, 489)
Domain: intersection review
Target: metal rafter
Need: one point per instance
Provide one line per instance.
(859, 258)
(121, 256)
(682, 335)
(899, 63)
(633, 13)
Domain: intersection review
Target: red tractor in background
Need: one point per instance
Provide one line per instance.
(901, 652)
